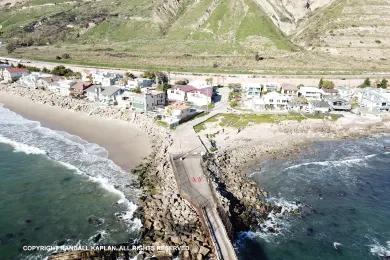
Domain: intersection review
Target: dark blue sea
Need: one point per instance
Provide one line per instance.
(57, 189)
(343, 191)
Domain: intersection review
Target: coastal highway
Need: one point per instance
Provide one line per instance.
(218, 78)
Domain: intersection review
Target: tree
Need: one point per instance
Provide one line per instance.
(65, 56)
(130, 75)
(164, 87)
(326, 84)
(46, 70)
(11, 47)
(137, 90)
(366, 83)
(383, 83)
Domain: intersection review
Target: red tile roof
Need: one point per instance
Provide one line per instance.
(17, 70)
(208, 91)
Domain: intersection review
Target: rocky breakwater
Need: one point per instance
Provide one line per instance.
(168, 219)
(170, 224)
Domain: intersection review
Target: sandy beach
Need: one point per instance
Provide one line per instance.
(126, 145)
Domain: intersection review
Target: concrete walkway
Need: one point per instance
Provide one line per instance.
(186, 157)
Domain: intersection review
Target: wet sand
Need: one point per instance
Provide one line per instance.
(126, 145)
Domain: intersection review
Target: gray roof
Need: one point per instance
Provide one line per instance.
(320, 104)
(110, 90)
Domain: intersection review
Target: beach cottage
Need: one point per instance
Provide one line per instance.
(177, 113)
(340, 104)
(311, 93)
(139, 83)
(270, 101)
(187, 93)
(146, 101)
(375, 100)
(62, 87)
(12, 74)
(253, 90)
(289, 89)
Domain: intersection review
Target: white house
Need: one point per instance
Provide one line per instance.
(35, 80)
(289, 89)
(146, 101)
(139, 83)
(187, 93)
(271, 100)
(375, 99)
(269, 87)
(253, 90)
(311, 93)
(12, 74)
(107, 95)
(104, 78)
(62, 87)
(29, 81)
(178, 112)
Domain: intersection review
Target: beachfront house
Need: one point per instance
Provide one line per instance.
(105, 78)
(330, 92)
(289, 89)
(340, 104)
(107, 95)
(188, 93)
(270, 101)
(253, 90)
(37, 80)
(139, 83)
(62, 87)
(200, 97)
(30, 80)
(375, 100)
(12, 74)
(79, 88)
(311, 93)
(177, 113)
(148, 100)
(319, 106)
(270, 87)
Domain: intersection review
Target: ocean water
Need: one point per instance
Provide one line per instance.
(57, 189)
(343, 191)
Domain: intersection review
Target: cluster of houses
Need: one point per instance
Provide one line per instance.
(175, 105)
(181, 102)
(310, 99)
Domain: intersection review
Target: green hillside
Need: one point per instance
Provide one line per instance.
(345, 37)
(227, 24)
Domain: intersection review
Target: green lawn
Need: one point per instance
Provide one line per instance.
(243, 120)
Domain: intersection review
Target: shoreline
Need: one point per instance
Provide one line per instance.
(167, 219)
(126, 145)
(161, 209)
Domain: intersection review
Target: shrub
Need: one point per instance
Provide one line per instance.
(383, 83)
(326, 84)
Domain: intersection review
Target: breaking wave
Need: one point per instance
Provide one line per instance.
(20, 147)
(336, 163)
(74, 153)
(379, 250)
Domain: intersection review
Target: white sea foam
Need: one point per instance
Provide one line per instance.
(380, 250)
(336, 163)
(20, 147)
(276, 222)
(72, 152)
